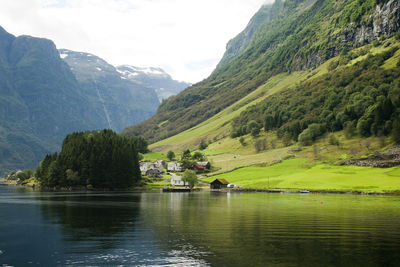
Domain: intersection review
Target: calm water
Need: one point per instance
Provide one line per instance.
(197, 229)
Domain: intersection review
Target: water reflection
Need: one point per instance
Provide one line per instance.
(260, 229)
(197, 229)
(92, 217)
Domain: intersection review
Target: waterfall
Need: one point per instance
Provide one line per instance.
(104, 106)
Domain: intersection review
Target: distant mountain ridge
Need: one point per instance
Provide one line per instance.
(46, 94)
(119, 101)
(155, 78)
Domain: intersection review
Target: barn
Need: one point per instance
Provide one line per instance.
(219, 184)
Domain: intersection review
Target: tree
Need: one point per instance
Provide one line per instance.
(396, 131)
(72, 176)
(255, 132)
(305, 138)
(308, 136)
(170, 155)
(190, 177)
(203, 145)
(186, 154)
(242, 141)
(349, 130)
(260, 145)
(198, 156)
(333, 140)
(286, 140)
(187, 163)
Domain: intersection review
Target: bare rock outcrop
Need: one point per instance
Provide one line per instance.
(379, 160)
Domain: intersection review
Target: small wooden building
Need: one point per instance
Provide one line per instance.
(197, 167)
(205, 164)
(219, 184)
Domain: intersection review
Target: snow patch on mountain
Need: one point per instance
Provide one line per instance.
(128, 70)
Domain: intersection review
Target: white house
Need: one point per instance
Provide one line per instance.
(175, 166)
(146, 166)
(177, 181)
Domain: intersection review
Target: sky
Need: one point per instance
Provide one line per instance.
(186, 38)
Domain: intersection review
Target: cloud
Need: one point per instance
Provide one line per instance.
(172, 34)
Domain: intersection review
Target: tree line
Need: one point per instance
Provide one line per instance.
(98, 159)
(363, 98)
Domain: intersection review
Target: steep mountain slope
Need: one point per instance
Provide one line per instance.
(155, 78)
(40, 100)
(44, 96)
(120, 102)
(242, 41)
(299, 35)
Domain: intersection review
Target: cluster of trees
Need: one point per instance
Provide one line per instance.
(101, 159)
(252, 127)
(362, 98)
(188, 159)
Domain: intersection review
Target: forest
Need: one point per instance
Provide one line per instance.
(363, 98)
(94, 159)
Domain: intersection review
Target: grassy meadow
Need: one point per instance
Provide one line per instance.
(298, 174)
(316, 167)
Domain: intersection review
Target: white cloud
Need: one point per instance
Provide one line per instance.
(185, 37)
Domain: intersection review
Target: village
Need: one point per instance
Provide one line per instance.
(160, 169)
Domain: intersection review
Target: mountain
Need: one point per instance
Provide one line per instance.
(45, 95)
(155, 78)
(40, 100)
(283, 42)
(242, 41)
(119, 101)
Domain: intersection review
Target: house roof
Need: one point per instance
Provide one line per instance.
(198, 167)
(221, 181)
(203, 163)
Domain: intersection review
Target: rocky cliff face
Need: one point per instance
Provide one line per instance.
(384, 21)
(242, 41)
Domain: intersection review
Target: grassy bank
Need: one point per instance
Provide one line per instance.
(298, 174)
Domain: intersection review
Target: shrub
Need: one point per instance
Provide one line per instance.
(305, 138)
(349, 130)
(260, 145)
(286, 140)
(203, 145)
(333, 140)
(255, 132)
(242, 141)
(376, 43)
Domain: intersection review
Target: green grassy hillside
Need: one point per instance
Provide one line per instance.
(243, 164)
(294, 175)
(219, 126)
(298, 36)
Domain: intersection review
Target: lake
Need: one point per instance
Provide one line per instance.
(197, 229)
